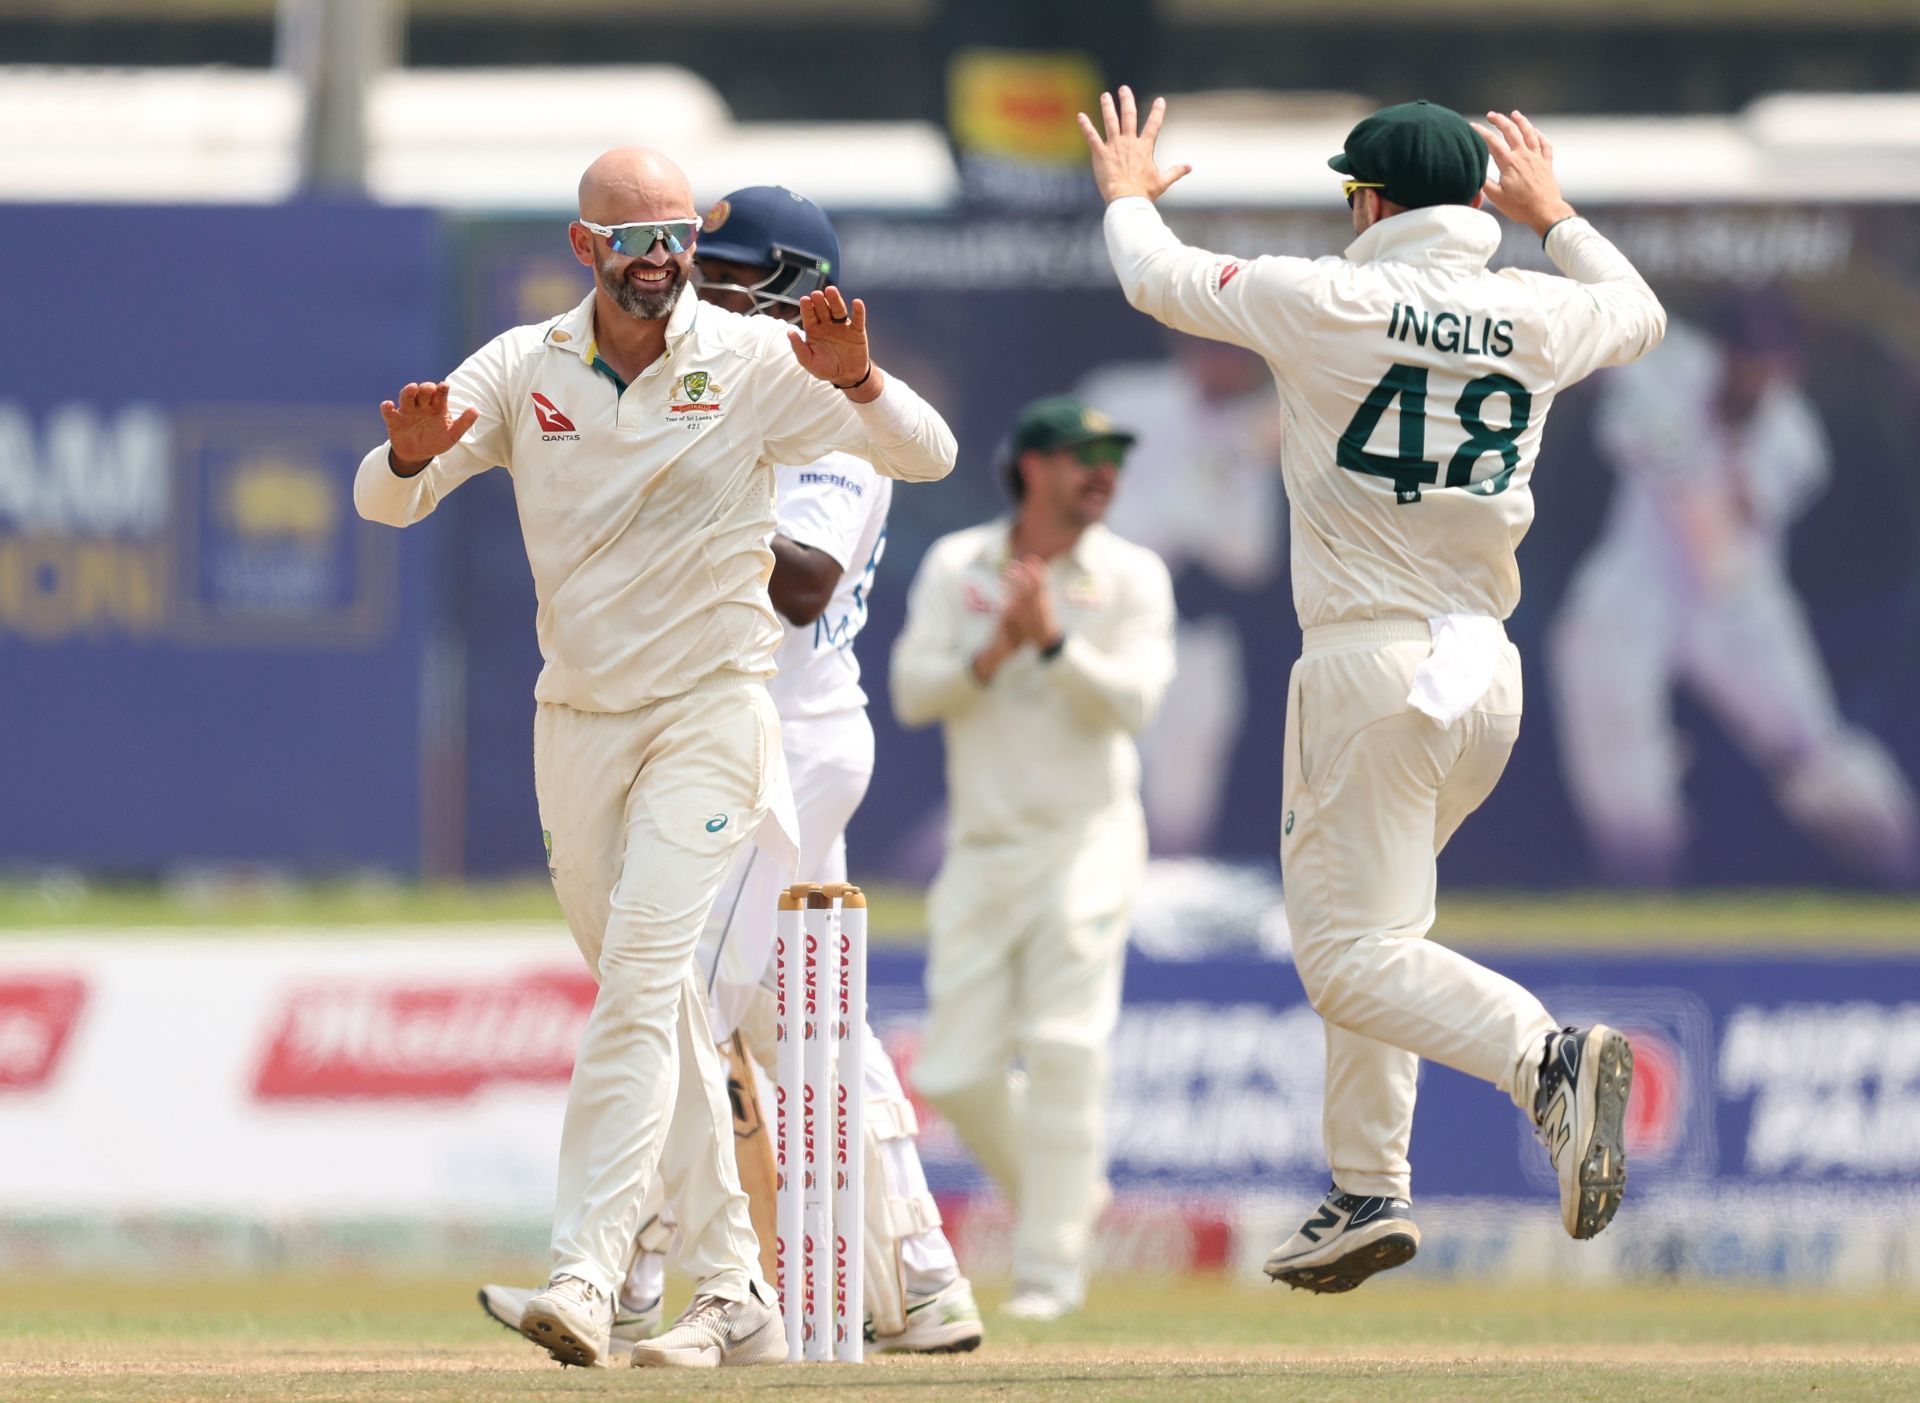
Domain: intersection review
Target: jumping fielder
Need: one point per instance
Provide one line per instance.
(1406, 700)
(1718, 449)
(1043, 644)
(762, 250)
(641, 429)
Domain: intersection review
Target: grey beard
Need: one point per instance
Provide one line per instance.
(637, 302)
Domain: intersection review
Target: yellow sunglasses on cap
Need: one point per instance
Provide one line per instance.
(1348, 187)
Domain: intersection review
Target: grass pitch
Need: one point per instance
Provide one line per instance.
(424, 1341)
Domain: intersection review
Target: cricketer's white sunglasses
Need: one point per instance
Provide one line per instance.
(637, 240)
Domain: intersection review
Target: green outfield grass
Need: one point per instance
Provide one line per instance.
(302, 1337)
(1731, 920)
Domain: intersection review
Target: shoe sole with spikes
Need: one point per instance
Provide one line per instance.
(1606, 1082)
(1383, 1254)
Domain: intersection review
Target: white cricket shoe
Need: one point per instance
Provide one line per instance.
(571, 1319)
(713, 1333)
(1038, 1304)
(1580, 1114)
(945, 1322)
(1346, 1241)
(507, 1304)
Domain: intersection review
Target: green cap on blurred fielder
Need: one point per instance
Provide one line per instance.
(1061, 421)
(1416, 154)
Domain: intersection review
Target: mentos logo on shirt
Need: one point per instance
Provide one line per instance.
(814, 477)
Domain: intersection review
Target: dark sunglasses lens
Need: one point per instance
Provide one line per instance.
(637, 240)
(1104, 454)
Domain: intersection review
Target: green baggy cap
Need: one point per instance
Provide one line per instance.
(1422, 153)
(1061, 421)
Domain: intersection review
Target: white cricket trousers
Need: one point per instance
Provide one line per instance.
(830, 763)
(1373, 790)
(645, 811)
(1027, 946)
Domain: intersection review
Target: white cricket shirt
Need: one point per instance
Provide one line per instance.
(1414, 386)
(1048, 745)
(647, 511)
(837, 505)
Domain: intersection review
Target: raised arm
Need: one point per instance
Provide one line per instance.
(438, 436)
(830, 395)
(1248, 302)
(1612, 317)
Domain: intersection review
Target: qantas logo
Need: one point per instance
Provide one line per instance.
(552, 421)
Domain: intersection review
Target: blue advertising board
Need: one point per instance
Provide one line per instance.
(1757, 1075)
(205, 655)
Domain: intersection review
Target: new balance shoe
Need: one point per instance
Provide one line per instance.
(946, 1322)
(571, 1319)
(1580, 1114)
(712, 1333)
(1348, 1240)
(507, 1304)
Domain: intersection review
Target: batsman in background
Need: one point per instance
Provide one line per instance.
(641, 430)
(1719, 448)
(1405, 703)
(762, 250)
(1043, 644)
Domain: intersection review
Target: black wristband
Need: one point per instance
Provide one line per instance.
(1555, 225)
(1052, 650)
(857, 383)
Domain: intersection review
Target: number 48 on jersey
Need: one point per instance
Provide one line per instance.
(1411, 469)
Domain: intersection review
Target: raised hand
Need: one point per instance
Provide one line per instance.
(832, 343)
(419, 427)
(1526, 190)
(1123, 159)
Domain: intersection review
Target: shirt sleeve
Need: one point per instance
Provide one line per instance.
(381, 494)
(825, 504)
(805, 418)
(1264, 304)
(1608, 315)
(1122, 685)
(932, 673)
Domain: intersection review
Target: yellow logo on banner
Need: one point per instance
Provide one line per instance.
(269, 497)
(1008, 103)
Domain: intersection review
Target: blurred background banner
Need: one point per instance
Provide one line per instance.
(1722, 585)
(195, 625)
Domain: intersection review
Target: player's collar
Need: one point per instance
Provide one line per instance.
(1437, 234)
(573, 332)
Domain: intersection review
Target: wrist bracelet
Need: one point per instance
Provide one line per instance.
(1555, 225)
(857, 383)
(1052, 650)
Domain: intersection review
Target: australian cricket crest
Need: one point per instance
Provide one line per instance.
(696, 399)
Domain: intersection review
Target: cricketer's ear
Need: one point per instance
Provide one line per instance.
(582, 243)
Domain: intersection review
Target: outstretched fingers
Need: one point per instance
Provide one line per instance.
(1156, 114)
(1129, 113)
(1109, 118)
